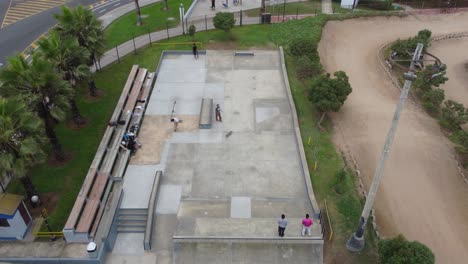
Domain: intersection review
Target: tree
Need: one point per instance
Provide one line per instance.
(21, 141)
(430, 77)
(82, 24)
(400, 251)
(138, 13)
(70, 61)
(42, 89)
(453, 115)
(327, 94)
(224, 21)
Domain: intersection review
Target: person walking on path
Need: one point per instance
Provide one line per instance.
(195, 51)
(213, 4)
(282, 223)
(306, 225)
(218, 113)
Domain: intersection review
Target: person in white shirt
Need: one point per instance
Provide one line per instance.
(176, 122)
(282, 223)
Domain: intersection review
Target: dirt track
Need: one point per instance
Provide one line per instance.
(422, 194)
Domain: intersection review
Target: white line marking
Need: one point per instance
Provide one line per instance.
(106, 4)
(104, 10)
(117, 4)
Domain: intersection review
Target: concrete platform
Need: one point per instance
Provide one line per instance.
(218, 186)
(138, 182)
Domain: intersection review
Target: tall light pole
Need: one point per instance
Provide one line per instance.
(356, 242)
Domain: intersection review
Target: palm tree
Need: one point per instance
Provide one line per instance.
(42, 89)
(82, 24)
(21, 141)
(70, 60)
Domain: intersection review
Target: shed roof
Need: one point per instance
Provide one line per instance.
(9, 203)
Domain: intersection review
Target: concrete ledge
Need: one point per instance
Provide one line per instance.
(305, 168)
(151, 208)
(206, 113)
(247, 240)
(244, 53)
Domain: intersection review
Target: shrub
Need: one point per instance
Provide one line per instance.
(432, 100)
(340, 184)
(307, 68)
(224, 21)
(191, 30)
(453, 115)
(400, 251)
(303, 47)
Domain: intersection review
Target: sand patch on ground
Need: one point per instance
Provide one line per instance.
(155, 132)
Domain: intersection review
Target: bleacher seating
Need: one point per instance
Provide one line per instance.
(110, 160)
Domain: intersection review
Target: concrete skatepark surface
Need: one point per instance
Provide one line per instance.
(218, 186)
(421, 194)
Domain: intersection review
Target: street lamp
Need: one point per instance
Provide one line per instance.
(356, 242)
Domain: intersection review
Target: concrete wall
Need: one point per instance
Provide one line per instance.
(16, 229)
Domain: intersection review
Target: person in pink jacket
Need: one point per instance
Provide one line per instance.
(306, 225)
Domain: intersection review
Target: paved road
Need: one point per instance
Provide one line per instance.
(19, 34)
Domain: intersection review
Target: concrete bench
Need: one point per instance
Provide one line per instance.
(206, 114)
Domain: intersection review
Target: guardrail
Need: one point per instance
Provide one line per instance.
(329, 221)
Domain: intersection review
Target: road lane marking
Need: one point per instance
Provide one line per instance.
(104, 10)
(19, 10)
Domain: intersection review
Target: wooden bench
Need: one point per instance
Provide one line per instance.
(206, 114)
(88, 208)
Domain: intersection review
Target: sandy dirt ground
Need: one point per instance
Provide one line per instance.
(454, 53)
(421, 194)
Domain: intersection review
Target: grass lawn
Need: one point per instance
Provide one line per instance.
(154, 19)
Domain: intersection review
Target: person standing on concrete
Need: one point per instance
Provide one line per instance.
(306, 225)
(195, 51)
(218, 113)
(282, 223)
(213, 4)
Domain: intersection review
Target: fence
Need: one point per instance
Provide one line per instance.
(409, 5)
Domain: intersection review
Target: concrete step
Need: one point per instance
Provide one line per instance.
(130, 229)
(264, 228)
(212, 253)
(132, 217)
(142, 211)
(132, 223)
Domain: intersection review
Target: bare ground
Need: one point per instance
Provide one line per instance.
(421, 194)
(454, 53)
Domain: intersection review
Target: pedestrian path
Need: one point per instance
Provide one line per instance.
(21, 9)
(327, 7)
